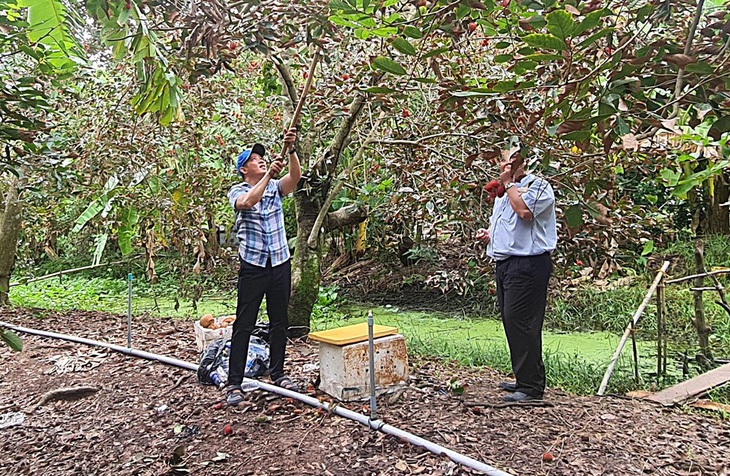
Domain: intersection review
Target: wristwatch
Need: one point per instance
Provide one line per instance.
(292, 151)
(508, 186)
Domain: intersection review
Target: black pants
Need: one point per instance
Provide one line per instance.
(253, 283)
(522, 283)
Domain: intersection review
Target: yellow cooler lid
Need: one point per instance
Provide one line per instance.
(351, 334)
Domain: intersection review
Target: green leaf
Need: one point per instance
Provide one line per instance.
(574, 216)
(701, 67)
(47, 25)
(502, 58)
(680, 191)
(384, 32)
(524, 66)
(670, 176)
(544, 41)
(437, 51)
(577, 136)
(592, 39)
(542, 57)
(388, 65)
(472, 94)
(592, 20)
(404, 46)
(648, 248)
(504, 86)
(91, 211)
(339, 5)
(341, 21)
(412, 32)
(379, 90)
(560, 23)
(11, 339)
(722, 124)
(99, 250)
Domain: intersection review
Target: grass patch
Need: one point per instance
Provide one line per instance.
(111, 295)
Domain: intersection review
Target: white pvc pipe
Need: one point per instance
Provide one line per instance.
(329, 407)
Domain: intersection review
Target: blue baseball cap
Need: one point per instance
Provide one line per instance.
(246, 154)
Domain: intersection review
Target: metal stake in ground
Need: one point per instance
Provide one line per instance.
(129, 311)
(371, 352)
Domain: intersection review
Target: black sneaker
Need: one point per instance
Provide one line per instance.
(519, 397)
(507, 386)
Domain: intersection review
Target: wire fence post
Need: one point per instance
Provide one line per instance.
(371, 353)
(129, 311)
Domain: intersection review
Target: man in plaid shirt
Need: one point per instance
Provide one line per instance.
(264, 257)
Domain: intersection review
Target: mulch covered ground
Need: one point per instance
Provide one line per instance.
(150, 419)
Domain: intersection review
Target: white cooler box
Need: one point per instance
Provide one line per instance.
(203, 336)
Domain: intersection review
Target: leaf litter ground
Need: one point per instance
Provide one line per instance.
(150, 419)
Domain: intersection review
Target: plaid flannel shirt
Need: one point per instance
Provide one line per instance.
(260, 229)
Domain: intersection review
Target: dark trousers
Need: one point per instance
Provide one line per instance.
(253, 284)
(522, 283)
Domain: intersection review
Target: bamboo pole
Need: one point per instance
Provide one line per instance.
(699, 322)
(694, 276)
(635, 352)
(627, 332)
(659, 329)
(300, 104)
(65, 271)
(665, 342)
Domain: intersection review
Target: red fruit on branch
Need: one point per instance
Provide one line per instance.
(345, 77)
(232, 45)
(472, 26)
(485, 42)
(406, 113)
(500, 190)
(548, 457)
(504, 3)
(127, 6)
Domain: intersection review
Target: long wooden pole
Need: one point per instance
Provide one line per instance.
(627, 332)
(66, 271)
(660, 329)
(694, 276)
(305, 91)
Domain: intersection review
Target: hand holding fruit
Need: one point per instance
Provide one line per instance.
(482, 235)
(494, 189)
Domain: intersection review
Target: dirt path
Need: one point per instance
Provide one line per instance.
(147, 417)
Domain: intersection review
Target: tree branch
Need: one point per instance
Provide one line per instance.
(314, 234)
(687, 48)
(349, 215)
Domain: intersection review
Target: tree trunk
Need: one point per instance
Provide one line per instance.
(306, 273)
(10, 221)
(718, 216)
(699, 323)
